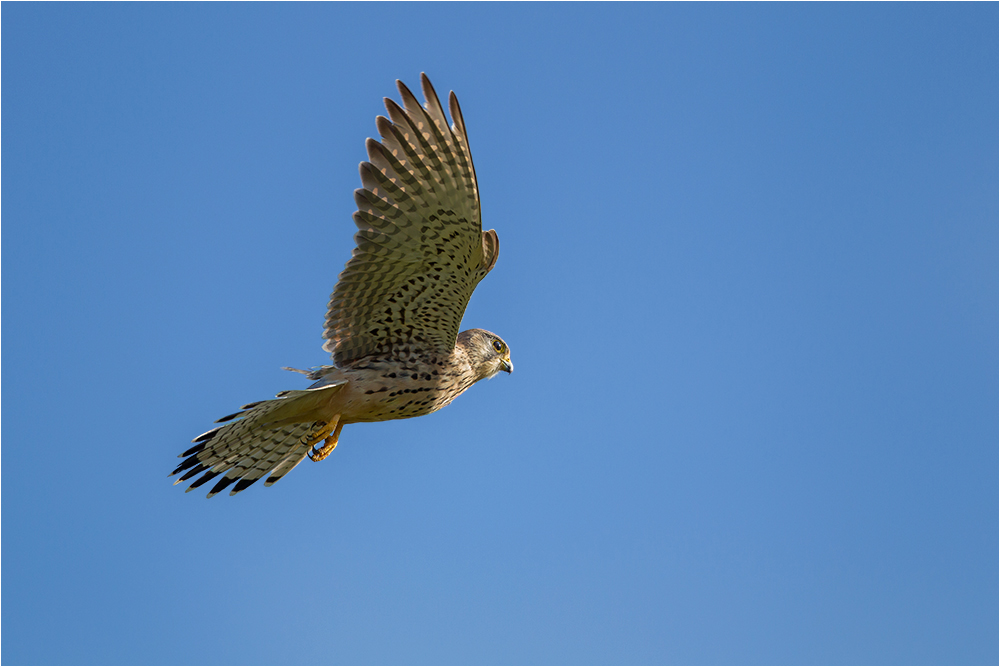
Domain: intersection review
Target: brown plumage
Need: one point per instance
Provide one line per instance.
(392, 322)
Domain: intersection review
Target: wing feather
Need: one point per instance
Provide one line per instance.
(421, 249)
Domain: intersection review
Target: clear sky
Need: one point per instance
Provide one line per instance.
(748, 274)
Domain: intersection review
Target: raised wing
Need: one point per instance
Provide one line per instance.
(420, 249)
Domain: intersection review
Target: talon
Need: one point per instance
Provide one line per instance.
(318, 455)
(323, 429)
(329, 442)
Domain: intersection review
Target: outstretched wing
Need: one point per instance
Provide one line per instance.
(420, 249)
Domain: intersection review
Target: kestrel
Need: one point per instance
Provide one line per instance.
(392, 321)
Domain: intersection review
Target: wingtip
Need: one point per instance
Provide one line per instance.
(456, 112)
(430, 94)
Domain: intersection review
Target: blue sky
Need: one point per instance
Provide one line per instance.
(748, 273)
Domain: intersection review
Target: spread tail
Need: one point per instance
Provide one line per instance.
(264, 437)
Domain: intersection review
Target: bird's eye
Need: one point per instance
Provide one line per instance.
(498, 346)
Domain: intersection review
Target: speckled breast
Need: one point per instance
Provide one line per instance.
(386, 390)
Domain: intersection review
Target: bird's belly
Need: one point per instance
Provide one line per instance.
(382, 402)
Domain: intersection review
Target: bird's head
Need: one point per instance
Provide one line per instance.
(487, 352)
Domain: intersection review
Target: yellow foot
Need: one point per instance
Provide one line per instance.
(329, 443)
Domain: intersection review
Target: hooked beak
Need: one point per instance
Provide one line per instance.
(506, 365)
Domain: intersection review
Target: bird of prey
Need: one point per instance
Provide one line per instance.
(392, 321)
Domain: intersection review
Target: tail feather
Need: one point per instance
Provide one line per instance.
(258, 461)
(285, 466)
(196, 448)
(222, 484)
(262, 438)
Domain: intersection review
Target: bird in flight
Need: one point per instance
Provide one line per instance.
(392, 321)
